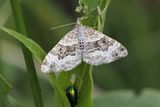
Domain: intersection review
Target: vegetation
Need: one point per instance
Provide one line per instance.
(119, 84)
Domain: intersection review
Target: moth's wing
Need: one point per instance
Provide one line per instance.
(100, 49)
(64, 56)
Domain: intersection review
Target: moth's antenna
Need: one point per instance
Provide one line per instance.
(62, 26)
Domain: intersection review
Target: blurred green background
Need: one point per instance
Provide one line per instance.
(135, 23)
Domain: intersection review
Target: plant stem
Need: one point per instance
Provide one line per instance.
(27, 55)
(102, 16)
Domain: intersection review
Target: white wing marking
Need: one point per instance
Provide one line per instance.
(82, 42)
(100, 49)
(64, 56)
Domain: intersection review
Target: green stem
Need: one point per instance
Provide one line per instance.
(27, 55)
(87, 71)
(102, 16)
(80, 77)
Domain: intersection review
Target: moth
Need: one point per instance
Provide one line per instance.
(83, 43)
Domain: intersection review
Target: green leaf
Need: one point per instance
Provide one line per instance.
(83, 79)
(36, 50)
(124, 98)
(85, 86)
(87, 6)
(102, 9)
(61, 97)
(39, 53)
(4, 89)
(63, 81)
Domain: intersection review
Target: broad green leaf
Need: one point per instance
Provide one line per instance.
(4, 88)
(148, 98)
(37, 51)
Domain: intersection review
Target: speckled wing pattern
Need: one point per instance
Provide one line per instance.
(100, 49)
(64, 56)
(82, 43)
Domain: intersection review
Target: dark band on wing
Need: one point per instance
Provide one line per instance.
(99, 45)
(64, 51)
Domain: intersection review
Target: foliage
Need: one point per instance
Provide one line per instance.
(37, 51)
(134, 23)
(84, 76)
(4, 89)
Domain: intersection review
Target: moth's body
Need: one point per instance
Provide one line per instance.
(80, 37)
(82, 43)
